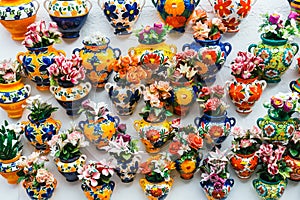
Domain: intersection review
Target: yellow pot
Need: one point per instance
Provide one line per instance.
(156, 191)
(13, 96)
(9, 169)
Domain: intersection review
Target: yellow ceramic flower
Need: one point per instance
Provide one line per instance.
(184, 96)
(174, 7)
(188, 166)
(108, 130)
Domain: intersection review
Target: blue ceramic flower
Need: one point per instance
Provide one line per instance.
(131, 11)
(109, 11)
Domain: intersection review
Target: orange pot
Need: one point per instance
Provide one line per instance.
(244, 165)
(295, 165)
(9, 169)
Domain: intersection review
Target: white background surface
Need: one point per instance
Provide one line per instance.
(181, 189)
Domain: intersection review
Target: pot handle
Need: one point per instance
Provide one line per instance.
(58, 124)
(226, 86)
(81, 125)
(90, 6)
(52, 89)
(263, 84)
(27, 88)
(20, 57)
(46, 2)
(186, 47)
(259, 121)
(131, 51)
(117, 120)
(108, 86)
(292, 83)
(155, 2)
(136, 125)
(254, 182)
(76, 50)
(117, 53)
(37, 4)
(83, 157)
(142, 88)
(251, 46)
(173, 48)
(227, 47)
(232, 121)
(295, 47)
(197, 121)
(197, 3)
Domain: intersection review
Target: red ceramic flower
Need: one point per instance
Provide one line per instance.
(176, 21)
(222, 7)
(245, 8)
(209, 57)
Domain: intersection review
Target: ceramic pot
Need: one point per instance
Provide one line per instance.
(124, 95)
(127, 166)
(213, 193)
(215, 128)
(36, 61)
(211, 57)
(277, 128)
(153, 134)
(40, 132)
(122, 15)
(188, 164)
(295, 6)
(70, 96)
(69, 15)
(176, 13)
(232, 12)
(267, 190)
(244, 164)
(13, 96)
(185, 94)
(17, 15)
(101, 131)
(40, 192)
(295, 86)
(156, 190)
(68, 168)
(277, 54)
(96, 59)
(245, 92)
(293, 163)
(100, 192)
(9, 169)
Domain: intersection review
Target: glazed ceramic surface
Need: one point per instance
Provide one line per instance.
(156, 191)
(176, 13)
(100, 192)
(244, 165)
(232, 12)
(36, 61)
(13, 96)
(217, 194)
(68, 168)
(188, 164)
(40, 192)
(278, 56)
(295, 86)
(295, 6)
(9, 169)
(245, 92)
(122, 14)
(211, 57)
(96, 59)
(294, 163)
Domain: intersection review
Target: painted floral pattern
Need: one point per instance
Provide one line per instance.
(14, 96)
(68, 8)
(73, 93)
(68, 167)
(18, 12)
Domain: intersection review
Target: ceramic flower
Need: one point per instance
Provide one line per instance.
(245, 141)
(293, 146)
(206, 29)
(276, 28)
(273, 165)
(96, 172)
(33, 170)
(39, 34)
(153, 34)
(10, 71)
(39, 108)
(128, 68)
(67, 144)
(67, 69)
(157, 168)
(94, 111)
(209, 99)
(95, 38)
(246, 65)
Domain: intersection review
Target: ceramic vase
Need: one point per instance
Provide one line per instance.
(215, 128)
(13, 96)
(36, 61)
(17, 15)
(156, 190)
(9, 169)
(278, 56)
(40, 192)
(277, 128)
(40, 132)
(295, 86)
(153, 134)
(69, 15)
(232, 12)
(99, 132)
(267, 190)
(188, 164)
(294, 164)
(122, 15)
(220, 193)
(295, 6)
(185, 94)
(124, 95)
(244, 164)
(245, 92)
(211, 57)
(127, 165)
(176, 13)
(68, 168)
(96, 59)
(70, 96)
(100, 192)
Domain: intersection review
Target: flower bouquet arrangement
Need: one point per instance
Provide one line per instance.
(276, 28)
(95, 39)
(247, 66)
(185, 148)
(94, 111)
(37, 180)
(206, 29)
(41, 35)
(216, 181)
(153, 34)
(10, 71)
